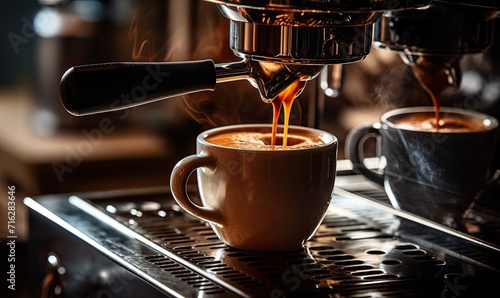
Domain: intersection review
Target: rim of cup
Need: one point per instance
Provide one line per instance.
(327, 137)
(490, 122)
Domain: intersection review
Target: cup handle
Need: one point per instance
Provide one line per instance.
(178, 186)
(354, 150)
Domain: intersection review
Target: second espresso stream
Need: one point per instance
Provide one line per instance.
(435, 78)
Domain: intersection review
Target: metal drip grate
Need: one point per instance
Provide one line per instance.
(187, 276)
(358, 251)
(481, 222)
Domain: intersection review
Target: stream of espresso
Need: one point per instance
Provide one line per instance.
(435, 79)
(285, 99)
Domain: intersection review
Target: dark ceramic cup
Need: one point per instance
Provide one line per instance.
(432, 173)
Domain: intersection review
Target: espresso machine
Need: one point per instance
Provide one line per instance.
(435, 40)
(280, 42)
(283, 42)
(129, 243)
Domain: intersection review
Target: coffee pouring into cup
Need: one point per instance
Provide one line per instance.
(257, 196)
(434, 161)
(433, 172)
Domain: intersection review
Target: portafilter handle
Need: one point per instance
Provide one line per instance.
(97, 88)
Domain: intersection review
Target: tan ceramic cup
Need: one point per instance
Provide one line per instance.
(260, 200)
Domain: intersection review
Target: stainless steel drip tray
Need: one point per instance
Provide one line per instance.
(362, 249)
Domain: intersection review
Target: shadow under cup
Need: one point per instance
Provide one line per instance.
(259, 198)
(433, 173)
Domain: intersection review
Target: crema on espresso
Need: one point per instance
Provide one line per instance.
(262, 141)
(448, 123)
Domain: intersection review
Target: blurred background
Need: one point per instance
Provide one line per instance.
(45, 150)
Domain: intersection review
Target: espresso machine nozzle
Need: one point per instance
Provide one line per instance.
(434, 38)
(305, 31)
(280, 41)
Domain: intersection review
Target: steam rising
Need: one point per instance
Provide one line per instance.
(399, 88)
(196, 32)
(148, 44)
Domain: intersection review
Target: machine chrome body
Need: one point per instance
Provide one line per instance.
(305, 32)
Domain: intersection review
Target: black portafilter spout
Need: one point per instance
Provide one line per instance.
(98, 88)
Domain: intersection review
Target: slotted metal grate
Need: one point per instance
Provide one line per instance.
(189, 277)
(358, 251)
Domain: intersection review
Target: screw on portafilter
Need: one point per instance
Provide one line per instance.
(438, 35)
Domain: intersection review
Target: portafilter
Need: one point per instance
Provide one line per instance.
(280, 41)
(437, 36)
